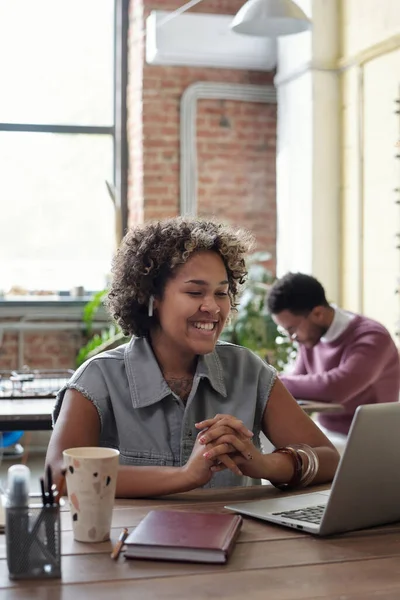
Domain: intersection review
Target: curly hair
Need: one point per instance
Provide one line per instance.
(149, 255)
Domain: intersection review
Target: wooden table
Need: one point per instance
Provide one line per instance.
(28, 414)
(269, 562)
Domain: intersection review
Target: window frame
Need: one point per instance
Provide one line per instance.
(118, 130)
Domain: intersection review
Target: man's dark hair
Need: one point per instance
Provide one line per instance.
(296, 292)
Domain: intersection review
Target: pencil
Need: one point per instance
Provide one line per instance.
(118, 546)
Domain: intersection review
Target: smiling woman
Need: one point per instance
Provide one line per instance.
(192, 311)
(184, 409)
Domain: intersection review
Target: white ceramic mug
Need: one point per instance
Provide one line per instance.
(91, 480)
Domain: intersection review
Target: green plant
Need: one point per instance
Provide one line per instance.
(252, 326)
(109, 337)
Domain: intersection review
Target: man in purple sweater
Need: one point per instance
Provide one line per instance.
(343, 357)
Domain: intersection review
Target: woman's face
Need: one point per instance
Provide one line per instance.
(195, 305)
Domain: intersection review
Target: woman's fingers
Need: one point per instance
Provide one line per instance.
(227, 420)
(212, 451)
(216, 432)
(226, 440)
(226, 462)
(219, 466)
(227, 444)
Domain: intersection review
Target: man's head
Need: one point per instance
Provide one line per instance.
(298, 304)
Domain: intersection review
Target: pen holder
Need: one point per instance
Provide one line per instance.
(33, 539)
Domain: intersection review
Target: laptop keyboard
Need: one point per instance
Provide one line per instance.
(310, 514)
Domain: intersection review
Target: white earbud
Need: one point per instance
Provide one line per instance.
(151, 306)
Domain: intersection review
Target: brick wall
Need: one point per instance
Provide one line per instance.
(235, 140)
(236, 165)
(42, 350)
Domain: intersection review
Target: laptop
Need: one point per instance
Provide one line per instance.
(365, 491)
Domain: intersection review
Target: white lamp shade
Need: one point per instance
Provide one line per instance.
(270, 18)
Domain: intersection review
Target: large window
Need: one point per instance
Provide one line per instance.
(61, 139)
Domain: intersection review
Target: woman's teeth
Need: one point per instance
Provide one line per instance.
(206, 326)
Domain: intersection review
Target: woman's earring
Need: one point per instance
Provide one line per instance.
(151, 306)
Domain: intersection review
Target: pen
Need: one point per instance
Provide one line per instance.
(49, 513)
(49, 486)
(61, 486)
(118, 546)
(44, 498)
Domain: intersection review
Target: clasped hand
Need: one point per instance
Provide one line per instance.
(227, 444)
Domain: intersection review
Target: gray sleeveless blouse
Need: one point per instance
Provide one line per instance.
(149, 424)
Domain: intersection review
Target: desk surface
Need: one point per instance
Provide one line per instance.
(35, 414)
(268, 562)
(29, 414)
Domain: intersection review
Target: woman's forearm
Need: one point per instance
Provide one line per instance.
(139, 482)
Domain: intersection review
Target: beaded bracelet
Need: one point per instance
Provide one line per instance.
(297, 466)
